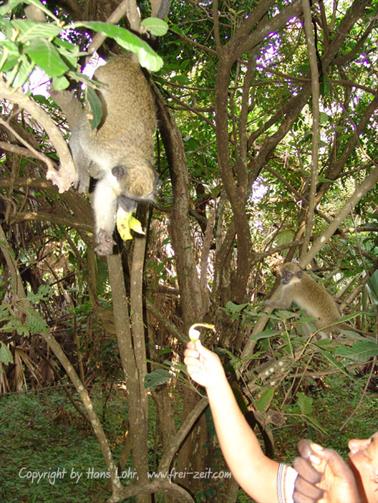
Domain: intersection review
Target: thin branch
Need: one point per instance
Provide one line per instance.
(181, 435)
(209, 234)
(133, 15)
(315, 122)
(356, 51)
(116, 16)
(218, 43)
(192, 42)
(168, 325)
(245, 109)
(67, 175)
(192, 109)
(268, 26)
(140, 451)
(16, 149)
(362, 395)
(50, 217)
(37, 155)
(359, 192)
(246, 29)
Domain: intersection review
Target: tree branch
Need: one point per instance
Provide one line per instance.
(359, 192)
(67, 175)
(315, 123)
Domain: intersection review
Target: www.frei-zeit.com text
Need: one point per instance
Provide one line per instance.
(53, 475)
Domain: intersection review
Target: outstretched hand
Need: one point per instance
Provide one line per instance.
(323, 476)
(204, 366)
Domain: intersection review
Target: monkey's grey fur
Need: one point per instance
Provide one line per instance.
(297, 286)
(120, 152)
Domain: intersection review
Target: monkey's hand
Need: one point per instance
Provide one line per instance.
(104, 243)
(203, 366)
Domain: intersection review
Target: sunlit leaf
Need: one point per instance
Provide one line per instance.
(5, 354)
(266, 334)
(147, 57)
(25, 68)
(304, 402)
(361, 351)
(60, 83)
(155, 26)
(9, 6)
(31, 30)
(262, 404)
(45, 55)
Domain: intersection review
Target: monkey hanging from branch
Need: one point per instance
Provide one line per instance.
(298, 287)
(120, 152)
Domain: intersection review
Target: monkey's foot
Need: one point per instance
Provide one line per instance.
(104, 243)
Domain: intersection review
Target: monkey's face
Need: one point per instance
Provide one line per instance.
(137, 183)
(290, 273)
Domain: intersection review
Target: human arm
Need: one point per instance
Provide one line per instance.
(254, 472)
(323, 476)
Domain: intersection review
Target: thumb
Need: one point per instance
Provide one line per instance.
(203, 352)
(337, 464)
(200, 348)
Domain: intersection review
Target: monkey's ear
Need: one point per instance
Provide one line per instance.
(299, 274)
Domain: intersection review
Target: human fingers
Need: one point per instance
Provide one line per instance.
(191, 353)
(338, 466)
(307, 471)
(308, 490)
(307, 448)
(298, 497)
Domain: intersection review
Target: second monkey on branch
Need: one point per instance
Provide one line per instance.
(298, 287)
(120, 152)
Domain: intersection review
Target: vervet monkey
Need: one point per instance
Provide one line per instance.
(297, 286)
(120, 152)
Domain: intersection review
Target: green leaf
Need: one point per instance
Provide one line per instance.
(10, 46)
(35, 322)
(95, 105)
(9, 6)
(156, 378)
(5, 354)
(284, 237)
(322, 345)
(315, 424)
(60, 83)
(305, 404)
(323, 118)
(155, 26)
(24, 70)
(233, 308)
(43, 294)
(267, 334)
(69, 51)
(361, 351)
(10, 52)
(44, 54)
(31, 30)
(147, 57)
(262, 404)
